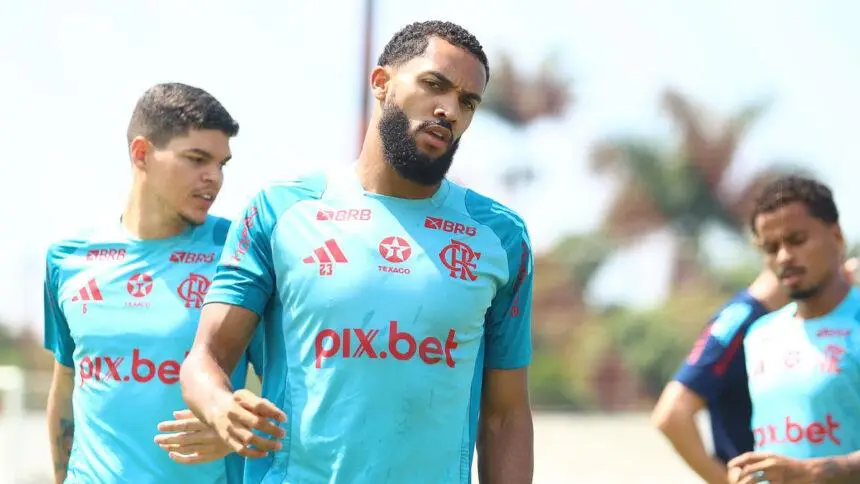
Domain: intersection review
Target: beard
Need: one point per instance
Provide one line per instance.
(402, 153)
(803, 294)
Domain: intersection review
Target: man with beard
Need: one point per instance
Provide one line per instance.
(803, 360)
(394, 302)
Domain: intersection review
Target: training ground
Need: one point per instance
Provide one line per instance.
(569, 449)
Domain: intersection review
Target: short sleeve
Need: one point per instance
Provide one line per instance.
(245, 275)
(58, 338)
(508, 321)
(708, 367)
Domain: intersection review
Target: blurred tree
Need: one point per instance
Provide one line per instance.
(681, 188)
(652, 343)
(519, 99)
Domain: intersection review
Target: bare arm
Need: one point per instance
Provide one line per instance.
(222, 336)
(61, 427)
(505, 430)
(675, 416)
(844, 469)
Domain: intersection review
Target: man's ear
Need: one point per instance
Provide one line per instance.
(138, 149)
(380, 80)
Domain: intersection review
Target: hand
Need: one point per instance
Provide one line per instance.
(187, 440)
(850, 269)
(755, 467)
(237, 417)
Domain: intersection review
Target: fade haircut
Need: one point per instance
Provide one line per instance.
(411, 41)
(168, 110)
(817, 197)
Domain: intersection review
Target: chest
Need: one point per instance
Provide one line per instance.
(434, 266)
(119, 293)
(803, 360)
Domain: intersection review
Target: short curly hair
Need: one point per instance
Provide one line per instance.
(168, 110)
(411, 41)
(817, 197)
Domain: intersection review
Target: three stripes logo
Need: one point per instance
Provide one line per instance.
(326, 256)
(89, 292)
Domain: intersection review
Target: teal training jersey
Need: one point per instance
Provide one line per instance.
(123, 313)
(379, 314)
(804, 380)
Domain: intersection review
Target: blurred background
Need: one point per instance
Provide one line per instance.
(630, 134)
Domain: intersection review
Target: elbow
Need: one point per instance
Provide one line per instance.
(667, 418)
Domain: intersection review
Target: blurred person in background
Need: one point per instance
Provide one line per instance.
(714, 376)
(394, 301)
(803, 360)
(122, 301)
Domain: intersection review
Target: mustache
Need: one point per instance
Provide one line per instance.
(442, 123)
(791, 271)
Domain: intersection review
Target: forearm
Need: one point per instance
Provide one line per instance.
(61, 429)
(685, 437)
(205, 384)
(844, 469)
(506, 449)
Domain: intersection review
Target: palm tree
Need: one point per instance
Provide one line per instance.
(684, 188)
(520, 99)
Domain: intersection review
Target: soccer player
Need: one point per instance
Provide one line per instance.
(377, 286)
(122, 302)
(714, 375)
(803, 360)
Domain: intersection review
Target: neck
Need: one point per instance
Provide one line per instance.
(377, 176)
(147, 219)
(824, 302)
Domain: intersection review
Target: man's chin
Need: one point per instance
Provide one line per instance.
(194, 219)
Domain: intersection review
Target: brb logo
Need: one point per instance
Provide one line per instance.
(346, 215)
(193, 290)
(402, 346)
(792, 432)
(143, 370)
(436, 223)
(458, 258)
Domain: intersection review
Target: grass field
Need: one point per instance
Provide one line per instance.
(568, 449)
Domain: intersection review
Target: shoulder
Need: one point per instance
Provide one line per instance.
(216, 229)
(95, 239)
(733, 318)
(506, 223)
(281, 194)
(763, 324)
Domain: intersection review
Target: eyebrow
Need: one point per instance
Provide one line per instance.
(206, 154)
(449, 83)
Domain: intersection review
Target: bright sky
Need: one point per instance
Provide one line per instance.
(289, 72)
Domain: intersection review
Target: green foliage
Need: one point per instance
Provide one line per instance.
(549, 381)
(10, 350)
(653, 342)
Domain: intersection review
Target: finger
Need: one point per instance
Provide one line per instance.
(234, 445)
(260, 406)
(746, 459)
(185, 459)
(184, 425)
(250, 420)
(249, 439)
(183, 414)
(191, 448)
(184, 438)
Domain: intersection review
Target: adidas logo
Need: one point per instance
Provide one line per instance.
(90, 292)
(326, 256)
